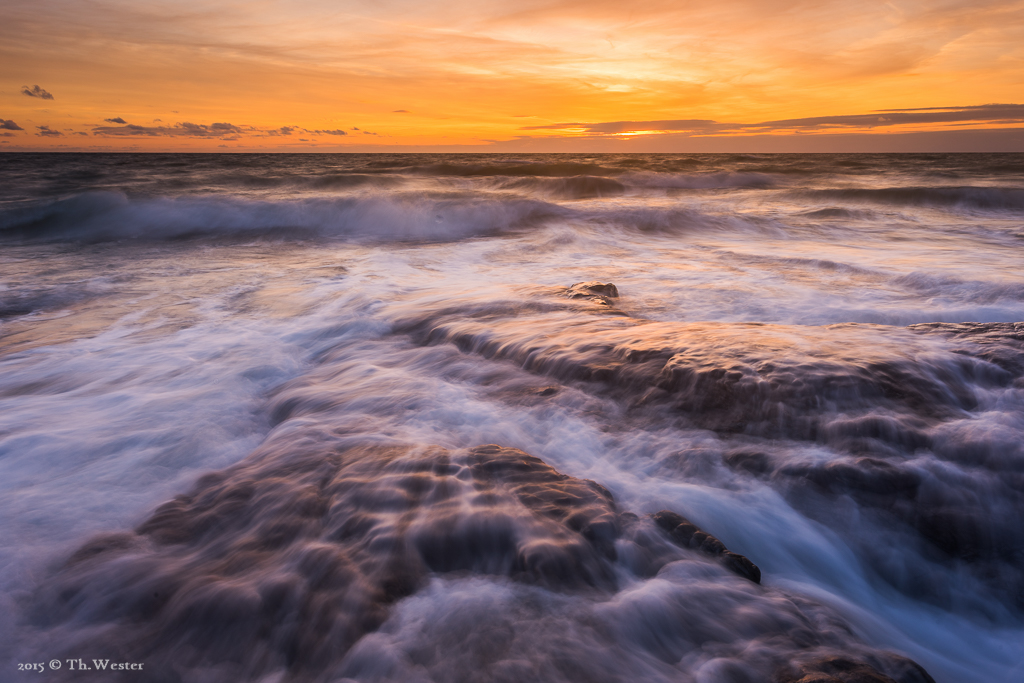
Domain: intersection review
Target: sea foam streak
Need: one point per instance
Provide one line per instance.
(323, 418)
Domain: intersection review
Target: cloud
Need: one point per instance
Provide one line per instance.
(5, 134)
(184, 129)
(400, 111)
(283, 130)
(36, 91)
(81, 133)
(222, 128)
(47, 132)
(7, 124)
(223, 131)
(986, 113)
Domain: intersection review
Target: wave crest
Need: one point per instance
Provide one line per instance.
(104, 216)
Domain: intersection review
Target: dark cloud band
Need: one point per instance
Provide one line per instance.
(224, 131)
(184, 129)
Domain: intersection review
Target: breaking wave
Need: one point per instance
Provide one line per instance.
(112, 216)
(106, 216)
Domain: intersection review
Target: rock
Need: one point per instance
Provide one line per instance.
(598, 292)
(286, 560)
(842, 669)
(306, 552)
(685, 534)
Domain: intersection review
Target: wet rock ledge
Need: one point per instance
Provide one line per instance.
(286, 560)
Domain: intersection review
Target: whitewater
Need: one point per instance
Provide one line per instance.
(560, 418)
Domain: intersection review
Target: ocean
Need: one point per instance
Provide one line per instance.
(497, 418)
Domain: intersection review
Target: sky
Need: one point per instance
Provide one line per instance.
(526, 76)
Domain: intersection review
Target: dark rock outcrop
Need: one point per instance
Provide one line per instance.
(601, 294)
(582, 290)
(840, 669)
(685, 534)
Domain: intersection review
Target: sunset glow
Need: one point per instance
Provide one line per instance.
(546, 75)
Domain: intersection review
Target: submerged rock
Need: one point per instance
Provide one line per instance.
(685, 534)
(600, 293)
(593, 288)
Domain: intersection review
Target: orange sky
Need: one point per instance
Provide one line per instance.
(541, 75)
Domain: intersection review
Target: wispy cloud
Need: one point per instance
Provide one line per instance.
(337, 131)
(7, 124)
(116, 120)
(982, 114)
(47, 132)
(36, 91)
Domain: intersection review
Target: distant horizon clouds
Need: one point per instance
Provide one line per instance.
(187, 129)
(988, 113)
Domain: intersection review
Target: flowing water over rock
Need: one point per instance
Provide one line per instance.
(705, 418)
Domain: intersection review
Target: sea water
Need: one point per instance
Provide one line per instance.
(345, 417)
